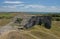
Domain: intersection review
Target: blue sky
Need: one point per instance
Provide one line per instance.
(29, 5)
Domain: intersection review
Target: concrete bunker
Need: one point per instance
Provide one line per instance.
(38, 20)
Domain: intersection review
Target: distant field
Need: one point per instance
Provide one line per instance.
(7, 14)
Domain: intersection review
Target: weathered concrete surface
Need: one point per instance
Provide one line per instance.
(38, 20)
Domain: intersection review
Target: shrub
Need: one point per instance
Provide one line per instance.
(57, 19)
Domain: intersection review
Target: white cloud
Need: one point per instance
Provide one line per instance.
(35, 6)
(13, 2)
(20, 5)
(42, 8)
(9, 6)
(13, 6)
(52, 9)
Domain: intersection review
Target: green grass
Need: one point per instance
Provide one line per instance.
(7, 15)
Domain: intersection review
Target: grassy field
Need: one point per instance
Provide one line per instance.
(43, 33)
(36, 32)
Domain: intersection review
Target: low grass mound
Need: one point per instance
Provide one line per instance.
(16, 35)
(43, 33)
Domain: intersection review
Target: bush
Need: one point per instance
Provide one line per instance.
(18, 20)
(54, 15)
(57, 19)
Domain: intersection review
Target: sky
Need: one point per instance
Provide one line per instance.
(29, 5)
